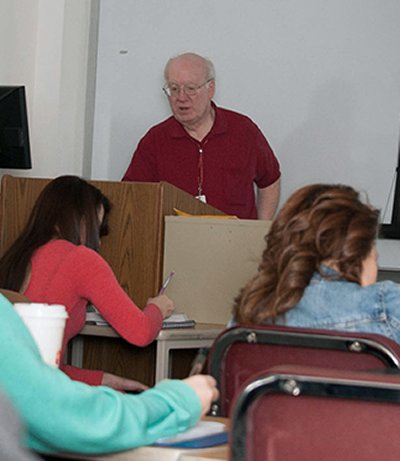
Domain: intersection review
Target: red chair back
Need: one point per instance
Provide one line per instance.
(299, 413)
(241, 351)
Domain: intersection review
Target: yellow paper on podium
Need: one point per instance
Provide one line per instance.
(183, 213)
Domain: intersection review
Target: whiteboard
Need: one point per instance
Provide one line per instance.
(320, 78)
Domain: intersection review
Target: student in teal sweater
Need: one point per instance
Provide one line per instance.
(61, 415)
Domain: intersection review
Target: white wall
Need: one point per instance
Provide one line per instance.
(45, 44)
(321, 79)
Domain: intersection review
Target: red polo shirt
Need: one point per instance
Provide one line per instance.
(234, 155)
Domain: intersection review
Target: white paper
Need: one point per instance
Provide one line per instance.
(202, 429)
(177, 318)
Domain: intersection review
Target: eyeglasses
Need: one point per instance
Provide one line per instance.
(173, 90)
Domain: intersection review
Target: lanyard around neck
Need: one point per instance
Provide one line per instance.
(200, 178)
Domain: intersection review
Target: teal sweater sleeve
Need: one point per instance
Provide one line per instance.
(63, 415)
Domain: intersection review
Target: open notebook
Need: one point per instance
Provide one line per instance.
(204, 434)
(178, 321)
(174, 321)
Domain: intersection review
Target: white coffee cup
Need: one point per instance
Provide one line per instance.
(46, 322)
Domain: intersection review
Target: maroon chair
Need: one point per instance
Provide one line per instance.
(243, 350)
(292, 413)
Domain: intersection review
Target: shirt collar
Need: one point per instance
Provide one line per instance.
(220, 125)
(326, 272)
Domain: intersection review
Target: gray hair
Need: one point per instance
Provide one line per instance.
(208, 63)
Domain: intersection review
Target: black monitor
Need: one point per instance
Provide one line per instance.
(14, 133)
(392, 230)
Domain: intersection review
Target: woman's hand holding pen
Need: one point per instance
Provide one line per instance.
(165, 304)
(162, 301)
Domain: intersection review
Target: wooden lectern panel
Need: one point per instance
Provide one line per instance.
(134, 247)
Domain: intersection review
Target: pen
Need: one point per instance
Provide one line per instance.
(166, 282)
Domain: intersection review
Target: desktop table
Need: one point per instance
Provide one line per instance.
(202, 335)
(219, 453)
(150, 453)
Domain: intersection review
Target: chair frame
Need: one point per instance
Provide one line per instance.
(379, 346)
(308, 381)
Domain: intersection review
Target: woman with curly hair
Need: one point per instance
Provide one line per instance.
(319, 269)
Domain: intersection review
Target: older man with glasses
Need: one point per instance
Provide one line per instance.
(215, 154)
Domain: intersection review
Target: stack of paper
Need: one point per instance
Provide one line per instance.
(178, 321)
(96, 318)
(204, 434)
(174, 321)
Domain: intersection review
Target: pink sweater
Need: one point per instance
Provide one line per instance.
(73, 275)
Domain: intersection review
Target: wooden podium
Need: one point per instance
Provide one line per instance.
(134, 248)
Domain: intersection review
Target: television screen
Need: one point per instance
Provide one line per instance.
(14, 132)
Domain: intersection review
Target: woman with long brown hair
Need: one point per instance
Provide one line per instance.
(319, 268)
(55, 260)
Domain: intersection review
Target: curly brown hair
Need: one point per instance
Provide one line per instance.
(318, 223)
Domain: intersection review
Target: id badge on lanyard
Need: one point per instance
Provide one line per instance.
(202, 198)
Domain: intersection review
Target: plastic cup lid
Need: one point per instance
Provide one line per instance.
(41, 310)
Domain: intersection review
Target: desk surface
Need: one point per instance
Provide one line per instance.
(200, 331)
(202, 335)
(149, 453)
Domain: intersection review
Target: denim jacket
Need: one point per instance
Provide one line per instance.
(342, 305)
